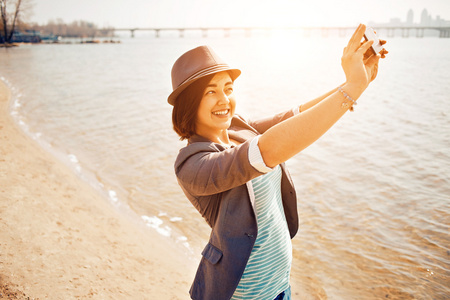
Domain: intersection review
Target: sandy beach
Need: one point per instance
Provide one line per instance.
(61, 239)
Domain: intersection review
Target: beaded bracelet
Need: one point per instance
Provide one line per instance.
(347, 97)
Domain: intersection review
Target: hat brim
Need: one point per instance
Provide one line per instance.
(234, 73)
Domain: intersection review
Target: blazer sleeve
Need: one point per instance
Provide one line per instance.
(205, 169)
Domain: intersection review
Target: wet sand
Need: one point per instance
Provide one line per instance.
(61, 239)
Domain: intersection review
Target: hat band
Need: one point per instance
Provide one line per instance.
(207, 71)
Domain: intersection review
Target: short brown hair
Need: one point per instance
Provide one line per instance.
(184, 113)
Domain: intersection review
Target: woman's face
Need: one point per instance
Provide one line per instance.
(216, 107)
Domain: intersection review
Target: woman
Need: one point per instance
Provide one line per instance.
(233, 171)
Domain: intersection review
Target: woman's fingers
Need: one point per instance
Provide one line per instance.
(372, 61)
(372, 66)
(365, 46)
(355, 40)
(383, 52)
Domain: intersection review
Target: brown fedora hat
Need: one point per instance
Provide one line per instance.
(195, 64)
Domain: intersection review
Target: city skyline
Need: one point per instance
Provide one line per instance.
(204, 13)
(426, 20)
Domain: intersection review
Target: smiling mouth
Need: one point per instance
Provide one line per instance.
(221, 112)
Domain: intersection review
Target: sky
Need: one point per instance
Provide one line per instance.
(211, 13)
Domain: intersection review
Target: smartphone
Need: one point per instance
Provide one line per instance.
(371, 35)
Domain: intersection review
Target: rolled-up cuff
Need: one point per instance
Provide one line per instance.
(255, 157)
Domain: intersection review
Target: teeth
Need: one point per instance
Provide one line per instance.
(221, 112)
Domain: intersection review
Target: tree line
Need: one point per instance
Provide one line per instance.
(74, 29)
(10, 18)
(14, 13)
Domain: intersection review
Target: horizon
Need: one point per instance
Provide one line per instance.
(251, 13)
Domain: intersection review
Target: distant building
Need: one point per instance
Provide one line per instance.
(33, 36)
(441, 22)
(395, 22)
(25, 37)
(425, 18)
(410, 17)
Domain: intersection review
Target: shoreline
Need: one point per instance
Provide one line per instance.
(60, 239)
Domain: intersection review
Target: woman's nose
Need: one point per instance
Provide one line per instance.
(223, 99)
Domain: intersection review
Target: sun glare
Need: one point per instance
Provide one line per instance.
(283, 13)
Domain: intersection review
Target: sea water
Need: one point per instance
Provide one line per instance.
(374, 191)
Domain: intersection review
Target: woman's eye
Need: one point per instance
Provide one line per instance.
(209, 92)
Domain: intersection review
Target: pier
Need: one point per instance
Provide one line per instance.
(388, 31)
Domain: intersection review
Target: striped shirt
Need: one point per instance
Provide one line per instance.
(267, 272)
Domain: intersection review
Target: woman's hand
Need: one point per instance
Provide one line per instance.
(383, 52)
(369, 54)
(287, 138)
(371, 65)
(359, 69)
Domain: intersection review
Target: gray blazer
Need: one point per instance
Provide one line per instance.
(216, 181)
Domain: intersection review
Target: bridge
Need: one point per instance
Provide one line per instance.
(406, 31)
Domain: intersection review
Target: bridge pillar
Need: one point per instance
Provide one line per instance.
(157, 33)
(420, 32)
(390, 32)
(444, 33)
(405, 32)
(181, 30)
(132, 33)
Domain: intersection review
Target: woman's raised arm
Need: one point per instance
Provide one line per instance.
(311, 103)
(291, 136)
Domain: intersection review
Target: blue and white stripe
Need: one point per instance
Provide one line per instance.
(267, 272)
